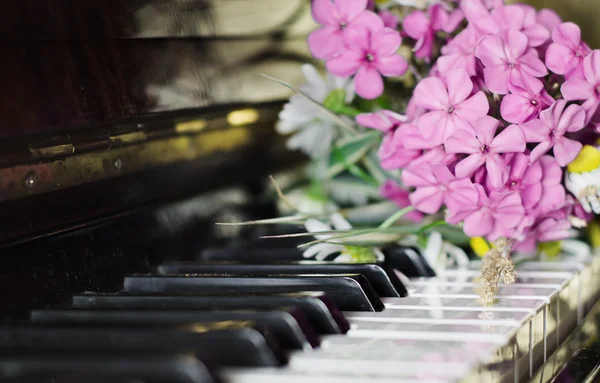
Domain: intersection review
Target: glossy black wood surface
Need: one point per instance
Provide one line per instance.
(69, 65)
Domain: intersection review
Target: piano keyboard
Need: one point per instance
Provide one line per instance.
(238, 322)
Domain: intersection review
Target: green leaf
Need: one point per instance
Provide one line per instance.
(349, 151)
(382, 102)
(335, 100)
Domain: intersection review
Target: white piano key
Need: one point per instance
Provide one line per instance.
(288, 375)
(402, 358)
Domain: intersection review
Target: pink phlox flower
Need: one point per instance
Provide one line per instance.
(435, 156)
(484, 147)
(450, 104)
(587, 88)
(490, 216)
(385, 120)
(393, 152)
(508, 60)
(413, 112)
(548, 18)
(524, 178)
(550, 129)
(565, 55)
(393, 192)
(436, 186)
(328, 41)
(389, 19)
(423, 26)
(459, 53)
(525, 102)
(544, 229)
(475, 9)
(553, 191)
(369, 55)
(518, 18)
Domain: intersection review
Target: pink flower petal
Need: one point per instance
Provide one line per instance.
(431, 94)
(535, 131)
(479, 224)
(369, 20)
(418, 176)
(374, 121)
(557, 58)
(486, 127)
(548, 18)
(325, 42)
(591, 67)
(536, 35)
(369, 84)
(496, 170)
(462, 141)
(497, 79)
(531, 195)
(571, 120)
(346, 64)
(386, 43)
(530, 64)
(516, 108)
(459, 86)
(416, 24)
(394, 65)
(491, 51)
(577, 89)
(508, 208)
(432, 126)
(541, 149)
(427, 199)
(509, 140)
(516, 43)
(469, 165)
(566, 150)
(568, 35)
(472, 108)
(349, 9)
(324, 12)
(357, 38)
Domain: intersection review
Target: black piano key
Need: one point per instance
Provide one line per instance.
(321, 311)
(233, 346)
(350, 292)
(384, 282)
(289, 325)
(114, 367)
(408, 260)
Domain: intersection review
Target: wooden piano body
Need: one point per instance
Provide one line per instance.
(130, 128)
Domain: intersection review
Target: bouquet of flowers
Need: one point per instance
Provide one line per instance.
(459, 126)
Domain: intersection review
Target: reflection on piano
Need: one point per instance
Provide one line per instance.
(131, 127)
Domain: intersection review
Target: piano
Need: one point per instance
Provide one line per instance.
(130, 129)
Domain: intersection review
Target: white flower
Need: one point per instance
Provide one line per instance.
(321, 251)
(586, 187)
(441, 255)
(314, 129)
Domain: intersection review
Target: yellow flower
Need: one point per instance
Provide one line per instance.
(480, 246)
(587, 160)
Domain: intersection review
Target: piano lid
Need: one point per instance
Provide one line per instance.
(72, 65)
(109, 105)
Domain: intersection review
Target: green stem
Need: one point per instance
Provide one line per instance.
(396, 216)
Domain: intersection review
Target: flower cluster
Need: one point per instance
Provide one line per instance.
(355, 41)
(509, 103)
